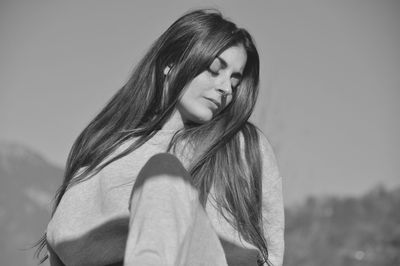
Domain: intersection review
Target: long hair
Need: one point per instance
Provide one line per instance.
(231, 159)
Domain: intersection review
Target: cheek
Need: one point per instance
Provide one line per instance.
(197, 88)
(192, 104)
(201, 83)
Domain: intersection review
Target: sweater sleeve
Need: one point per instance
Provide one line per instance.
(272, 203)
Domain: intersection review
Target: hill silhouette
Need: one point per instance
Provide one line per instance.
(27, 185)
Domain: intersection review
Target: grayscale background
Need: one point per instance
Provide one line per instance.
(329, 104)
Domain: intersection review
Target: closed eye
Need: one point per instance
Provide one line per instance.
(215, 67)
(212, 72)
(235, 82)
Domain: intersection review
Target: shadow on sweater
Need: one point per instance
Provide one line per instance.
(105, 244)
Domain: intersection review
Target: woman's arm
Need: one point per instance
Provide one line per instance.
(272, 203)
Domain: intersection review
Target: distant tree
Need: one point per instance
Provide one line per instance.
(350, 231)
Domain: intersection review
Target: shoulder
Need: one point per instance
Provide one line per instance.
(257, 137)
(251, 137)
(267, 150)
(271, 173)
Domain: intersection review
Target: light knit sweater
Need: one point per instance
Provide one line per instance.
(91, 223)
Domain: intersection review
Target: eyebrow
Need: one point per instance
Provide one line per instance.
(225, 64)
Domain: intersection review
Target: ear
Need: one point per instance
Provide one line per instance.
(167, 69)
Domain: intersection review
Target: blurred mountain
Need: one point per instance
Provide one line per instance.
(27, 185)
(347, 232)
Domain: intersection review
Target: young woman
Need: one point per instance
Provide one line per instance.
(171, 172)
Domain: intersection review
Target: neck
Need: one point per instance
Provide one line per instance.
(174, 123)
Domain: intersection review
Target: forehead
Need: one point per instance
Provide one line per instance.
(235, 57)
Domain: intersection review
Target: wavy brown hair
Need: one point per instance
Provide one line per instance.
(231, 159)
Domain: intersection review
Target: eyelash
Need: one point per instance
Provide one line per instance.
(213, 73)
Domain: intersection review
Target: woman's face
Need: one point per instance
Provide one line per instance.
(211, 91)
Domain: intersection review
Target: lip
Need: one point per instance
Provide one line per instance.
(215, 102)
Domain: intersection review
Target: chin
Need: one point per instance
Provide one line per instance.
(196, 113)
(201, 117)
(201, 120)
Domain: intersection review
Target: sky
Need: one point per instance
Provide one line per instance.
(329, 94)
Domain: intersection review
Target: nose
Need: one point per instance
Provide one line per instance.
(224, 86)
